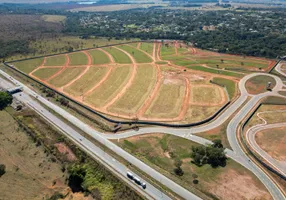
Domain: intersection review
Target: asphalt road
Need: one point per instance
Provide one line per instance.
(120, 168)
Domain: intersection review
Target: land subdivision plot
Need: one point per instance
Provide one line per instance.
(66, 76)
(92, 77)
(147, 47)
(30, 173)
(78, 58)
(55, 60)
(119, 56)
(109, 88)
(45, 73)
(273, 141)
(161, 151)
(137, 93)
(168, 102)
(139, 56)
(98, 57)
(28, 66)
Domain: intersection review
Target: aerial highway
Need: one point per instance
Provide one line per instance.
(237, 153)
(116, 165)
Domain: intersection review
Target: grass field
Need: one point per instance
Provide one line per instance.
(147, 47)
(160, 151)
(258, 84)
(110, 87)
(213, 71)
(87, 81)
(167, 51)
(77, 59)
(45, 73)
(168, 102)
(207, 94)
(273, 141)
(138, 92)
(28, 65)
(54, 18)
(197, 113)
(229, 84)
(98, 57)
(65, 77)
(55, 60)
(119, 56)
(30, 173)
(139, 56)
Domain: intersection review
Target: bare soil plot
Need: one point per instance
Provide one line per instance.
(66, 76)
(135, 96)
(87, 81)
(78, 58)
(168, 102)
(45, 73)
(207, 95)
(258, 84)
(54, 18)
(197, 113)
(230, 182)
(55, 60)
(98, 57)
(147, 47)
(28, 66)
(30, 173)
(139, 56)
(273, 141)
(108, 89)
(119, 56)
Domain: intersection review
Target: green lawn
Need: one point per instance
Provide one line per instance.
(147, 47)
(66, 76)
(119, 56)
(99, 57)
(56, 60)
(139, 56)
(200, 68)
(28, 66)
(230, 85)
(78, 58)
(45, 73)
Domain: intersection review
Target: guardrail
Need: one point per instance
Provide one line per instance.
(249, 148)
(274, 66)
(123, 122)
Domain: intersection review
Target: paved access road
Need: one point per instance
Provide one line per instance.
(120, 168)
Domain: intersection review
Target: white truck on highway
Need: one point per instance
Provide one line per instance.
(136, 180)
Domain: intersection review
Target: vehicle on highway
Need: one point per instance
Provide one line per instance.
(137, 181)
(130, 175)
(143, 185)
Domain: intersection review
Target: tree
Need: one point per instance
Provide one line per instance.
(178, 170)
(5, 100)
(2, 170)
(217, 143)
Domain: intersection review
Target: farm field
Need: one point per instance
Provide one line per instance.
(160, 151)
(130, 82)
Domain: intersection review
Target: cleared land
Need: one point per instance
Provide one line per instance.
(30, 173)
(206, 94)
(273, 141)
(139, 56)
(54, 18)
(87, 81)
(258, 84)
(78, 58)
(230, 182)
(98, 57)
(168, 102)
(138, 92)
(55, 61)
(28, 66)
(118, 55)
(167, 51)
(110, 87)
(45, 73)
(65, 77)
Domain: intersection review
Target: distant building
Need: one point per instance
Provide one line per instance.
(209, 28)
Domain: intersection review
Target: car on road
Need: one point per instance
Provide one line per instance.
(143, 185)
(130, 175)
